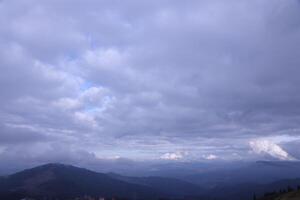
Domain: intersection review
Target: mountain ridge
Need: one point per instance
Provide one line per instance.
(67, 181)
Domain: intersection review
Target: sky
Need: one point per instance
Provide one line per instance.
(90, 81)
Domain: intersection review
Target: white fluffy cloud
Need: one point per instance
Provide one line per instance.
(210, 157)
(173, 156)
(269, 148)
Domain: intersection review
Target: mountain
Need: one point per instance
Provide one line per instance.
(171, 187)
(242, 182)
(66, 181)
(261, 172)
(245, 191)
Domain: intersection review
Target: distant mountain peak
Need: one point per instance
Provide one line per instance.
(56, 165)
(278, 163)
(67, 181)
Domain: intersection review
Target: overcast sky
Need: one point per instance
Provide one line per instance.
(90, 80)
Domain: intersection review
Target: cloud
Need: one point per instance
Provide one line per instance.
(67, 103)
(127, 78)
(269, 148)
(210, 157)
(173, 156)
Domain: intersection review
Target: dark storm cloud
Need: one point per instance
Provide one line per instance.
(196, 80)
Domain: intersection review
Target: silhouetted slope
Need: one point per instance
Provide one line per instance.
(68, 181)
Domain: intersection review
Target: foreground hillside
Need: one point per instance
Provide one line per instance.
(292, 195)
